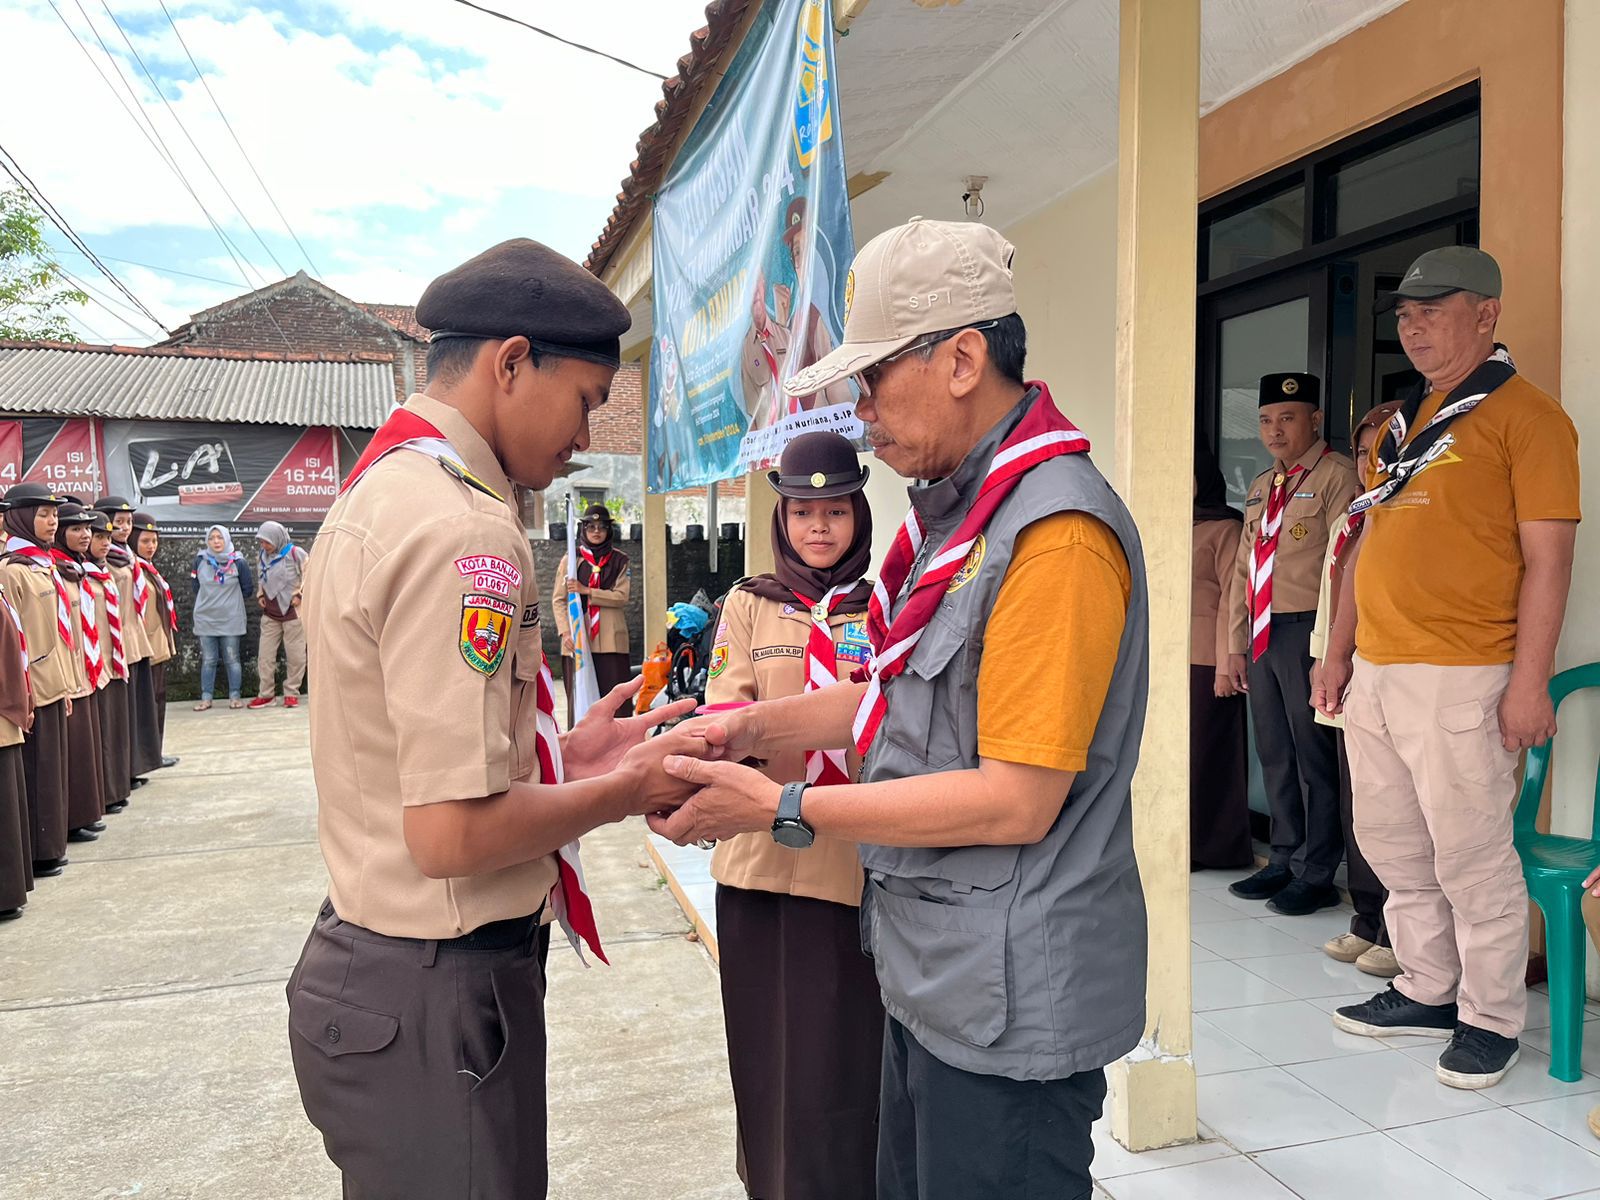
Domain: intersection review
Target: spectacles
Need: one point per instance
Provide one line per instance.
(596, 523)
(867, 379)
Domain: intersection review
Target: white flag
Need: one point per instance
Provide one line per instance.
(585, 687)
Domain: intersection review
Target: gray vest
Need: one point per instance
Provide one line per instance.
(1022, 961)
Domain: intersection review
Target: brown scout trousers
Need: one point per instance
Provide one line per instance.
(422, 1063)
(1434, 794)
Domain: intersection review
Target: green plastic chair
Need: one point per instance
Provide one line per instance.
(1554, 868)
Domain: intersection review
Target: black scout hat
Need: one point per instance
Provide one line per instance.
(113, 504)
(818, 466)
(143, 522)
(1290, 385)
(99, 522)
(523, 289)
(32, 495)
(597, 512)
(73, 513)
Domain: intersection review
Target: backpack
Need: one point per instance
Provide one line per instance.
(691, 657)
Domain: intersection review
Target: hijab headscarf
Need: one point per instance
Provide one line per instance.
(791, 574)
(19, 524)
(229, 554)
(69, 562)
(605, 559)
(280, 570)
(1210, 489)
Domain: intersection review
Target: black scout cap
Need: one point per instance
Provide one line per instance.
(523, 289)
(597, 512)
(73, 513)
(113, 504)
(143, 522)
(99, 522)
(1290, 385)
(818, 466)
(32, 495)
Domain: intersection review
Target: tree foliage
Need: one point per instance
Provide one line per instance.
(34, 293)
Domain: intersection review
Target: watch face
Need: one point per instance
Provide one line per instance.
(794, 834)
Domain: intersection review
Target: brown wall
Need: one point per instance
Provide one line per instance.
(1424, 48)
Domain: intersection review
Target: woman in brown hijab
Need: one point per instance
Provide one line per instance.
(800, 1000)
(153, 608)
(16, 716)
(86, 802)
(109, 610)
(30, 579)
(604, 582)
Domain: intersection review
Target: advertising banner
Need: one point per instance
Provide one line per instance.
(752, 241)
(60, 454)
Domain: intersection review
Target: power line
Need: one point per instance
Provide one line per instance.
(195, 146)
(151, 134)
(306, 254)
(564, 41)
(9, 164)
(101, 300)
(128, 262)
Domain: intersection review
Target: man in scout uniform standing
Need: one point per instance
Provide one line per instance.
(1291, 510)
(449, 806)
(1002, 904)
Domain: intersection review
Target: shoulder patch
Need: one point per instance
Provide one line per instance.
(490, 573)
(485, 631)
(468, 478)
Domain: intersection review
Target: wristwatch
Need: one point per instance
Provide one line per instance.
(789, 829)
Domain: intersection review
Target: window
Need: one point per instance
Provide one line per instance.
(1427, 168)
(588, 496)
(1266, 230)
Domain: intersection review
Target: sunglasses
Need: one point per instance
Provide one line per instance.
(868, 379)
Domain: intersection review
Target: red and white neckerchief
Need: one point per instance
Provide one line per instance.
(146, 566)
(141, 589)
(589, 605)
(22, 637)
(108, 588)
(764, 340)
(1264, 554)
(1042, 434)
(824, 767)
(405, 430)
(88, 621)
(23, 548)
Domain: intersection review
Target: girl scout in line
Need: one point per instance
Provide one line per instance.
(16, 717)
(800, 999)
(113, 601)
(142, 741)
(152, 602)
(85, 755)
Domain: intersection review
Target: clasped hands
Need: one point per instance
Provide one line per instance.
(688, 782)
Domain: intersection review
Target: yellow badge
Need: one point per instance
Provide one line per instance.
(969, 568)
(485, 631)
(1277, 480)
(849, 293)
(1291, 386)
(818, 479)
(1299, 532)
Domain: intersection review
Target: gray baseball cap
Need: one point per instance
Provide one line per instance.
(1443, 271)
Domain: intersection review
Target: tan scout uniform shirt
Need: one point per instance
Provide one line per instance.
(135, 642)
(80, 673)
(157, 626)
(1216, 553)
(422, 624)
(10, 732)
(612, 603)
(1316, 510)
(50, 662)
(760, 655)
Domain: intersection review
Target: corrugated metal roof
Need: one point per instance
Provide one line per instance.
(168, 386)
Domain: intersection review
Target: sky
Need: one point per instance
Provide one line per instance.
(399, 137)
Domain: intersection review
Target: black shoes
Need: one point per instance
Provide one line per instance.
(10, 914)
(116, 806)
(48, 868)
(169, 761)
(138, 781)
(1300, 898)
(1476, 1058)
(97, 827)
(1263, 885)
(1391, 1013)
(82, 835)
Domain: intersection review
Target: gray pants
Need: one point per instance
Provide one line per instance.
(423, 1063)
(1299, 758)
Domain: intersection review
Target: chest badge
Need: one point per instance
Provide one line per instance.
(1299, 532)
(969, 569)
(819, 611)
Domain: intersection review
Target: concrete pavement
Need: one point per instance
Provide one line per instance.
(143, 1041)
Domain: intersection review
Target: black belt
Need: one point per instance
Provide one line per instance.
(1292, 618)
(496, 935)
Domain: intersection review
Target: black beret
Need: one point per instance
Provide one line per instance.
(1290, 385)
(818, 466)
(32, 495)
(521, 288)
(113, 504)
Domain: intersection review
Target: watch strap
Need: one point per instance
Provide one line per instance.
(789, 800)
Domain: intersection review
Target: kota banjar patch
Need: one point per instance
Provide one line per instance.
(490, 573)
(485, 631)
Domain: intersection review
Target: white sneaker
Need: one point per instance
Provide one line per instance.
(1346, 948)
(1379, 961)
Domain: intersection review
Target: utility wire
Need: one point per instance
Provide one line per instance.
(306, 254)
(98, 298)
(9, 164)
(564, 41)
(193, 145)
(128, 262)
(151, 134)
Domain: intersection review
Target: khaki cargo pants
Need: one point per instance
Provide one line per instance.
(1434, 795)
(291, 635)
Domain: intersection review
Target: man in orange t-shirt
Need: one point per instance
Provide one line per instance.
(1461, 588)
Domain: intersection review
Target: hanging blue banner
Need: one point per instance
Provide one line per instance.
(752, 243)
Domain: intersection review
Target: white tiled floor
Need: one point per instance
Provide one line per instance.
(1291, 1107)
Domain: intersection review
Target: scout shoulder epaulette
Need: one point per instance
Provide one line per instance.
(468, 478)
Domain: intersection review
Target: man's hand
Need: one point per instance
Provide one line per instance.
(598, 743)
(574, 586)
(733, 736)
(651, 790)
(731, 799)
(566, 645)
(1239, 672)
(1527, 716)
(1223, 687)
(1330, 680)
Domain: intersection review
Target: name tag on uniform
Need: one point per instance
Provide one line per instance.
(1305, 495)
(776, 652)
(1256, 499)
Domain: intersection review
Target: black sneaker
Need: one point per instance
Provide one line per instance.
(1391, 1013)
(1476, 1058)
(1301, 898)
(1263, 885)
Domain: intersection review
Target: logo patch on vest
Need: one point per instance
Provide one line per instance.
(485, 629)
(969, 569)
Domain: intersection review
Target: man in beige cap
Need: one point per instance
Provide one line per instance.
(1460, 586)
(1000, 720)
